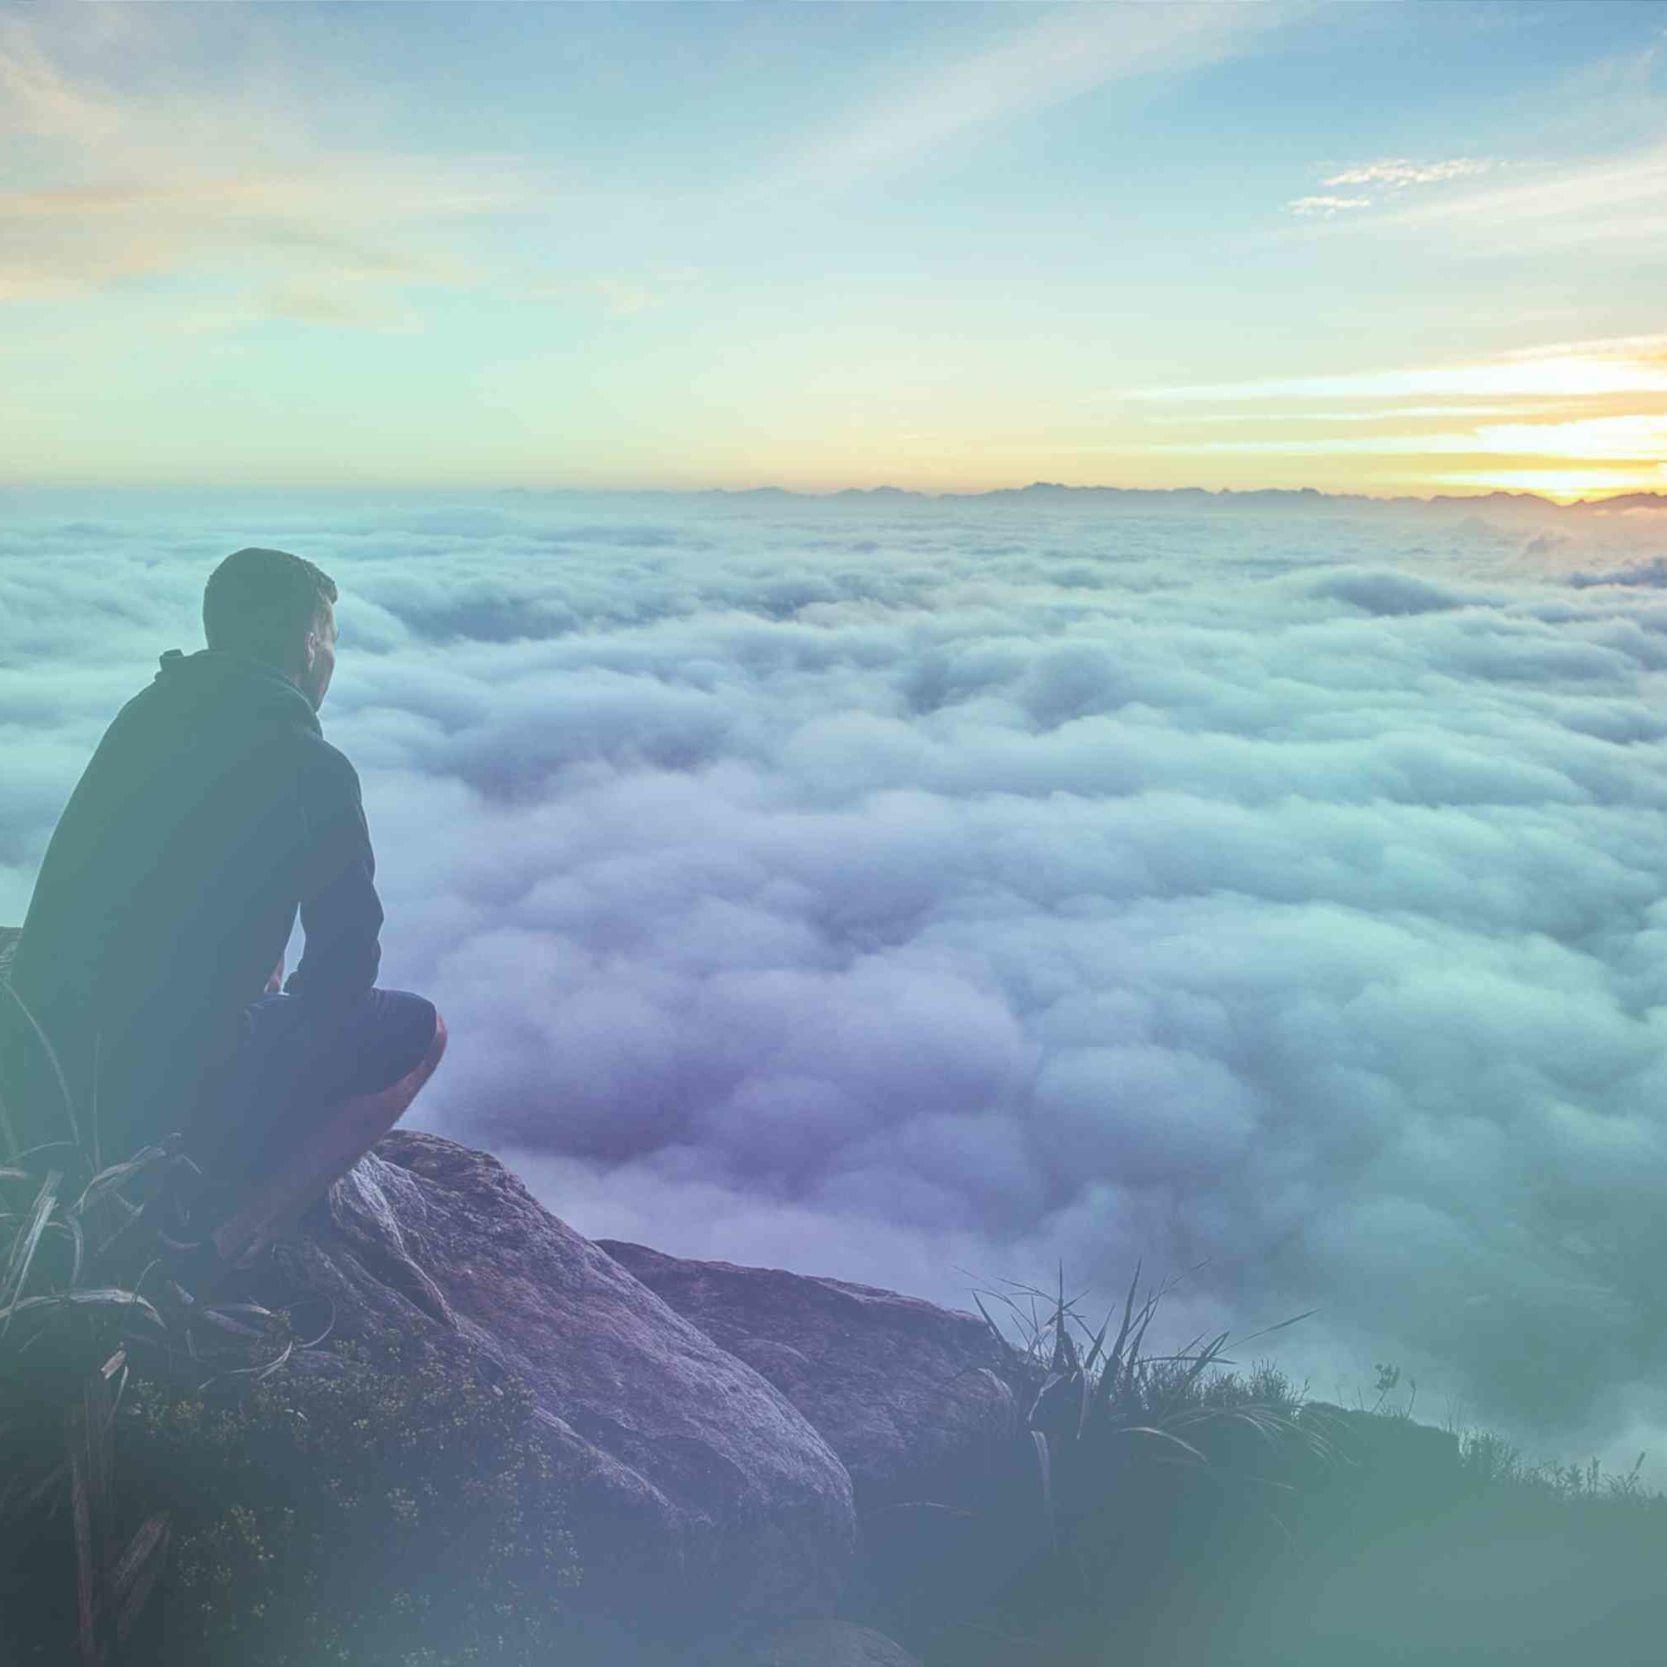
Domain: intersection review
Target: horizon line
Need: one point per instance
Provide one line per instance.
(1631, 497)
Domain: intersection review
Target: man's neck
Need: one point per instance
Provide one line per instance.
(270, 667)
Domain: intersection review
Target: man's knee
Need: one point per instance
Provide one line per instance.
(438, 1046)
(423, 1069)
(411, 1029)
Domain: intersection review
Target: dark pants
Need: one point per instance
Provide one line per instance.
(297, 1062)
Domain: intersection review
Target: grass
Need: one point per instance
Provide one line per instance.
(65, 1337)
(1137, 1463)
(1495, 1463)
(1190, 1514)
(170, 1493)
(1088, 1397)
(84, 1300)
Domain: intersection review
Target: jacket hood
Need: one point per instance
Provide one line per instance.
(231, 679)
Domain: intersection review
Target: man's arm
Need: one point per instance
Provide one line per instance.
(276, 982)
(341, 914)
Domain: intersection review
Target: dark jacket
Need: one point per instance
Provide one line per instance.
(212, 810)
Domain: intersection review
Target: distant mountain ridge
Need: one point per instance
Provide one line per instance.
(1153, 496)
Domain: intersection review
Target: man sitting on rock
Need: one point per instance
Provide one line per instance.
(152, 953)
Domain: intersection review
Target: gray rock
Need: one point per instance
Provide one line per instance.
(698, 1488)
(908, 1394)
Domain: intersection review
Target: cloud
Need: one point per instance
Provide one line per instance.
(1580, 194)
(1398, 172)
(1595, 409)
(1071, 51)
(135, 182)
(1327, 205)
(1613, 198)
(1652, 573)
(924, 893)
(1619, 442)
(1570, 370)
(1394, 174)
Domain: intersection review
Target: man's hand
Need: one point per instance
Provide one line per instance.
(276, 981)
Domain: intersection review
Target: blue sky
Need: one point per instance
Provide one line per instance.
(952, 247)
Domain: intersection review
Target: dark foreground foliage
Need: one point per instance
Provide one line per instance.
(185, 1483)
(1195, 1516)
(390, 1509)
(375, 1506)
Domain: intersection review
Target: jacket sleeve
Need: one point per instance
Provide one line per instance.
(341, 915)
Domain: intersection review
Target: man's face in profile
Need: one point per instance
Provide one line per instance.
(321, 658)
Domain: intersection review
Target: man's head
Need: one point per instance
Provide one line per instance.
(277, 608)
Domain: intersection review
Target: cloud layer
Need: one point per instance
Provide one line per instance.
(927, 894)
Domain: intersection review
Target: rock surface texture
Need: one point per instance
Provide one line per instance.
(906, 1393)
(698, 1486)
(911, 1396)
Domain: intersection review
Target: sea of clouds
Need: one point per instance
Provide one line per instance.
(935, 893)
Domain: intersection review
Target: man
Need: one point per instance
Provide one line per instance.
(151, 957)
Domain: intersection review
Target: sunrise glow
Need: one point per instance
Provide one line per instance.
(946, 248)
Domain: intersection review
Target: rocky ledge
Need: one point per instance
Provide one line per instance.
(742, 1445)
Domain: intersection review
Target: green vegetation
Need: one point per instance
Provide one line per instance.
(1181, 1514)
(1143, 1475)
(77, 1244)
(185, 1484)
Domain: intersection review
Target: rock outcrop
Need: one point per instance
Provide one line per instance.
(739, 1444)
(914, 1399)
(909, 1395)
(698, 1488)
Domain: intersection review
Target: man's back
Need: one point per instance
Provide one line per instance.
(212, 809)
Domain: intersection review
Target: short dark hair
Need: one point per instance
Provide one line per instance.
(263, 602)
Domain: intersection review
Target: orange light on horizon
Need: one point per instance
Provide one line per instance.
(1564, 486)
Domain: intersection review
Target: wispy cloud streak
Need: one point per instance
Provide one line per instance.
(146, 188)
(1327, 205)
(1070, 52)
(1596, 411)
(1593, 368)
(1616, 198)
(1392, 175)
(1398, 171)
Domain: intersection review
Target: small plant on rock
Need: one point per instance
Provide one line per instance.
(1141, 1473)
(1085, 1400)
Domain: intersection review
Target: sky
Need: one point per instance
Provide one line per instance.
(1383, 248)
(944, 893)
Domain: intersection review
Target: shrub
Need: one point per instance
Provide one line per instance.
(1144, 1470)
